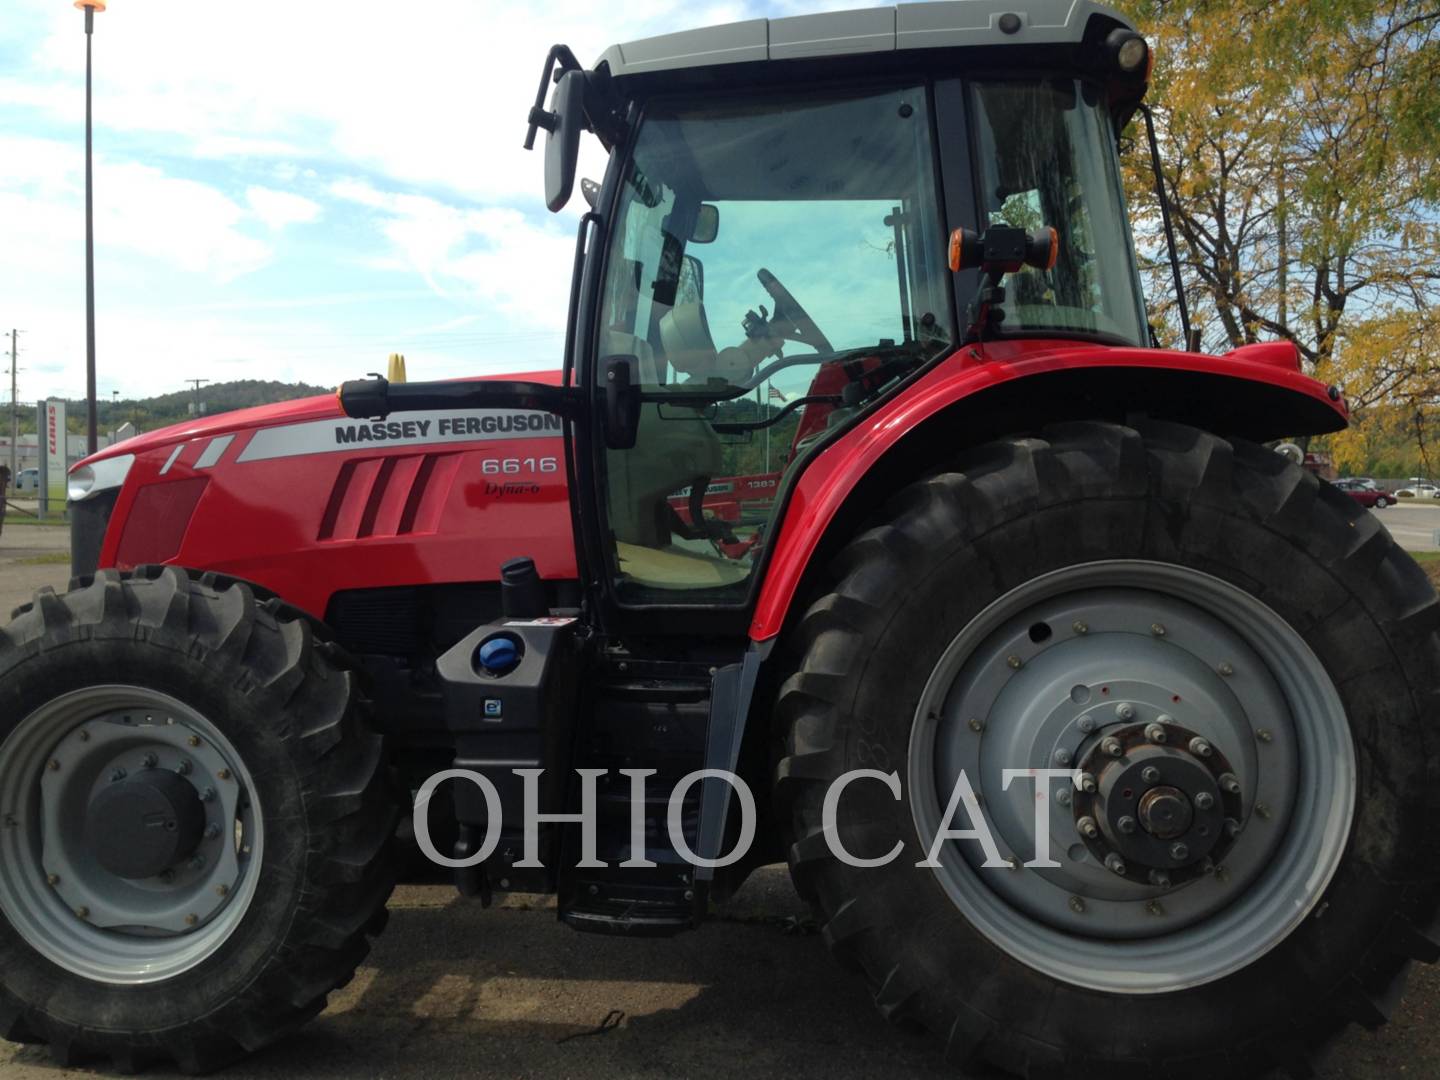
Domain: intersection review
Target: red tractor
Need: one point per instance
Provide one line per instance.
(1096, 733)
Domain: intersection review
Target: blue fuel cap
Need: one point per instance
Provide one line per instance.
(498, 655)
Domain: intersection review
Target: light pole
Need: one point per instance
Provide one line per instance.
(91, 438)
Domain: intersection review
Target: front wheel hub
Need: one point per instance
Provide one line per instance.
(142, 827)
(1159, 806)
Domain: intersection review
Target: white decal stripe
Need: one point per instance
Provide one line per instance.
(215, 451)
(174, 456)
(402, 429)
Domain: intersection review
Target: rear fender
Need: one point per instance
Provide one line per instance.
(1256, 393)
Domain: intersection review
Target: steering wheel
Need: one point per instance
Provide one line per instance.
(791, 320)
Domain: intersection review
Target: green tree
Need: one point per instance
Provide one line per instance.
(1299, 149)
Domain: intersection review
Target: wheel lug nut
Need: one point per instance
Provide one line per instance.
(1263, 735)
(1112, 747)
(212, 831)
(208, 795)
(150, 761)
(1230, 784)
(1232, 827)
(1155, 733)
(1126, 824)
(1115, 864)
(52, 879)
(1062, 757)
(977, 724)
(1087, 783)
(184, 768)
(197, 863)
(191, 920)
(222, 891)
(223, 774)
(82, 912)
(84, 735)
(1077, 905)
(1062, 796)
(1125, 711)
(1150, 774)
(1015, 662)
(1262, 811)
(1159, 879)
(54, 765)
(1087, 827)
(1179, 852)
(1200, 748)
(1080, 627)
(1157, 629)
(1227, 669)
(193, 741)
(1086, 724)
(117, 775)
(1204, 800)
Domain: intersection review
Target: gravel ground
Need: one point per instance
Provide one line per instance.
(20, 546)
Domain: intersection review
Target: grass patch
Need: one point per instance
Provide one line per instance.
(1426, 558)
(15, 518)
(52, 558)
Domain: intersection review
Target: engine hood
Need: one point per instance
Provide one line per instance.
(320, 407)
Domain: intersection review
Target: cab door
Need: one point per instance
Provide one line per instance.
(771, 266)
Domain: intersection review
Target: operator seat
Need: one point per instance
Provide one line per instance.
(675, 447)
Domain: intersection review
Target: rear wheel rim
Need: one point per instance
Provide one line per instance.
(53, 889)
(1127, 645)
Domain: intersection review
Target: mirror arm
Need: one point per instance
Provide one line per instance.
(540, 117)
(376, 398)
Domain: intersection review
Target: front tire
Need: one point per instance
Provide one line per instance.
(157, 704)
(1207, 547)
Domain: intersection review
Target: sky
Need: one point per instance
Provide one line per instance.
(290, 189)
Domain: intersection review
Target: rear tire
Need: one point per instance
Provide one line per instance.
(254, 704)
(1194, 507)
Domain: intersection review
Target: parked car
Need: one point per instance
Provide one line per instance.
(28, 480)
(1367, 493)
(1419, 489)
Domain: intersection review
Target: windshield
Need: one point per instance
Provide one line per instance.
(775, 266)
(1047, 157)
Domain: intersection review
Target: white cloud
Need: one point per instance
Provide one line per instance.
(433, 93)
(494, 254)
(278, 209)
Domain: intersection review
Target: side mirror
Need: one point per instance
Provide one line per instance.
(707, 224)
(622, 403)
(565, 122)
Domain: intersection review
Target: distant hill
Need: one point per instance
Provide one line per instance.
(150, 413)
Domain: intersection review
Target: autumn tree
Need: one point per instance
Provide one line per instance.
(1300, 148)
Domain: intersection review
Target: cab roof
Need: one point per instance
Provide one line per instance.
(945, 25)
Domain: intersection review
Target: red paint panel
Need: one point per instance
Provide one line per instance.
(828, 481)
(156, 523)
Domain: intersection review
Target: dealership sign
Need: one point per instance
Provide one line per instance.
(53, 424)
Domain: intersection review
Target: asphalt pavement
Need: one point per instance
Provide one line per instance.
(1416, 526)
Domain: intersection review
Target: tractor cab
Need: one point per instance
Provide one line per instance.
(769, 256)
